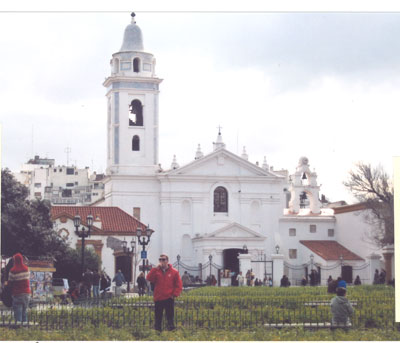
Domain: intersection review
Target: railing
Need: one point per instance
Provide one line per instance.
(208, 311)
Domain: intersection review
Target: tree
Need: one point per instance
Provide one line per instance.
(372, 186)
(26, 226)
(68, 266)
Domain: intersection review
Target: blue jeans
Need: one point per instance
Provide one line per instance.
(20, 305)
(95, 291)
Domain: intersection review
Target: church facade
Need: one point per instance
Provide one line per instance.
(220, 207)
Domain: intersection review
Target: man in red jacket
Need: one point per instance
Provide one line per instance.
(167, 286)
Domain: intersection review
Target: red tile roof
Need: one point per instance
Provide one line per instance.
(349, 208)
(113, 219)
(330, 250)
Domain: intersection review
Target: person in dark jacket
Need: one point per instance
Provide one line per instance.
(285, 281)
(96, 283)
(18, 279)
(382, 277)
(357, 281)
(167, 286)
(88, 281)
(333, 285)
(142, 285)
(105, 284)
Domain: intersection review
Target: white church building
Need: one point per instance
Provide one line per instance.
(220, 211)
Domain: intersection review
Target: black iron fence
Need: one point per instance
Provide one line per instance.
(214, 312)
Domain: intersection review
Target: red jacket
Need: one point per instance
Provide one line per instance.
(19, 276)
(167, 284)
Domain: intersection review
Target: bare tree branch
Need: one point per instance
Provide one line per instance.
(373, 187)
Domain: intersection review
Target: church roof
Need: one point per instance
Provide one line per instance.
(222, 151)
(113, 220)
(330, 250)
(133, 39)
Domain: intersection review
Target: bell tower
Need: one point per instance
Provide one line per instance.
(132, 108)
(304, 189)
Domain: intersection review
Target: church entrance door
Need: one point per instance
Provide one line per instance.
(124, 263)
(231, 262)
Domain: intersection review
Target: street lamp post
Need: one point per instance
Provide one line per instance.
(265, 266)
(277, 249)
(81, 232)
(341, 265)
(143, 240)
(129, 253)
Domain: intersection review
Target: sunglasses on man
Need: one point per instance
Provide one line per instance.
(161, 259)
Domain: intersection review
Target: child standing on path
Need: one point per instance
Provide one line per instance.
(341, 308)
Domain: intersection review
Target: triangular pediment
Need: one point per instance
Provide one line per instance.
(234, 230)
(222, 163)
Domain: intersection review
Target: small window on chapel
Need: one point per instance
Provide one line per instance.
(313, 228)
(135, 143)
(135, 113)
(220, 200)
(292, 232)
(136, 65)
(331, 232)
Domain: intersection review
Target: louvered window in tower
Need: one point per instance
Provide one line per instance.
(220, 200)
(136, 65)
(135, 113)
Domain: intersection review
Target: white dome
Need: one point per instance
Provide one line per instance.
(133, 39)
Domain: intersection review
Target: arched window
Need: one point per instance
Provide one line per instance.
(135, 113)
(135, 143)
(136, 65)
(220, 199)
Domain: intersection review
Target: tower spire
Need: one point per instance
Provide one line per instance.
(219, 143)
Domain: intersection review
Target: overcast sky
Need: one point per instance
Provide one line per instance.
(285, 85)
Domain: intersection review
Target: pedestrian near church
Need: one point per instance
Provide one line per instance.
(142, 284)
(185, 279)
(18, 279)
(341, 308)
(167, 286)
(88, 282)
(105, 284)
(119, 279)
(240, 279)
(96, 284)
